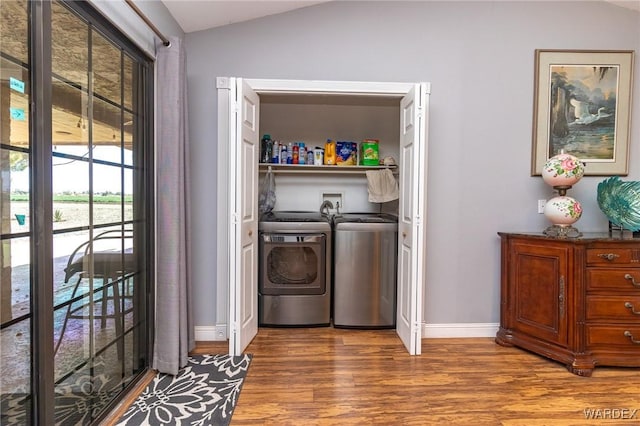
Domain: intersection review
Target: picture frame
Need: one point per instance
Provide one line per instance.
(582, 106)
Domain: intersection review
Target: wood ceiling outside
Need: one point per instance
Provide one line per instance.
(70, 67)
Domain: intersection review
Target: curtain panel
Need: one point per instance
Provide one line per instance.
(173, 323)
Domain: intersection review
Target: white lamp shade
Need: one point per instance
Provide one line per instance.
(562, 170)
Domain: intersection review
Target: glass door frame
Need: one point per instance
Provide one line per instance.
(41, 206)
(41, 196)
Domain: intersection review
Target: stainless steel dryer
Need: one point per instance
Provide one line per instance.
(294, 274)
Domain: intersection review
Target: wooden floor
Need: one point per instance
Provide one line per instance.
(327, 376)
(322, 376)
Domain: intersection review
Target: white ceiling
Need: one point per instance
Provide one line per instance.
(629, 4)
(196, 15)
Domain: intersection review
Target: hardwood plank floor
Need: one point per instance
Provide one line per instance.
(327, 376)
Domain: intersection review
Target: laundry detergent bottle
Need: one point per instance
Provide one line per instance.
(330, 153)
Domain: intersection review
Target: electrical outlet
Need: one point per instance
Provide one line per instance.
(541, 204)
(220, 335)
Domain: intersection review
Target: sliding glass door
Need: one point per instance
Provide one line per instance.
(76, 213)
(16, 296)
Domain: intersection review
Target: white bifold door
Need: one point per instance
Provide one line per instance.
(411, 225)
(243, 214)
(241, 116)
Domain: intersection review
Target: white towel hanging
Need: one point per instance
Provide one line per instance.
(382, 186)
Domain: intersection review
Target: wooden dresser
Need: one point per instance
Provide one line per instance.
(574, 300)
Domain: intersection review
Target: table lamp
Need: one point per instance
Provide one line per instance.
(561, 172)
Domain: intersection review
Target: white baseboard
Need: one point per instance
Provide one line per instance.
(206, 333)
(209, 333)
(430, 331)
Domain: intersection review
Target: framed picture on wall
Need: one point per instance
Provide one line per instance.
(582, 106)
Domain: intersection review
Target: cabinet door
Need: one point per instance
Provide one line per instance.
(539, 280)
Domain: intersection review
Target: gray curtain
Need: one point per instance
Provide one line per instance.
(174, 326)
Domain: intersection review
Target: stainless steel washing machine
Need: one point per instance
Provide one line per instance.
(365, 270)
(294, 274)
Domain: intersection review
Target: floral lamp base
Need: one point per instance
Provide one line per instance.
(562, 212)
(562, 231)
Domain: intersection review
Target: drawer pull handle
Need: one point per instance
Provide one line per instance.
(630, 306)
(628, 334)
(633, 280)
(609, 256)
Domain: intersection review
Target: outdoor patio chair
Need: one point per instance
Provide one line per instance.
(114, 269)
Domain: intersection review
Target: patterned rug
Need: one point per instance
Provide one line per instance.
(205, 392)
(78, 399)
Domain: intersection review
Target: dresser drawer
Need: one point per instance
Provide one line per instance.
(622, 335)
(613, 256)
(626, 280)
(622, 308)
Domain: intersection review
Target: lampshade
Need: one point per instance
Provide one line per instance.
(562, 170)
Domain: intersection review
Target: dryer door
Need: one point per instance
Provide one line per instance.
(292, 264)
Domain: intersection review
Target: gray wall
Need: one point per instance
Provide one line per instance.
(158, 13)
(479, 58)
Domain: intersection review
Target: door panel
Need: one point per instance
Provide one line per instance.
(540, 277)
(410, 226)
(405, 316)
(403, 319)
(244, 239)
(16, 263)
(74, 324)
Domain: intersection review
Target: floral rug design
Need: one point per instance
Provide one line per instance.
(78, 399)
(205, 392)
